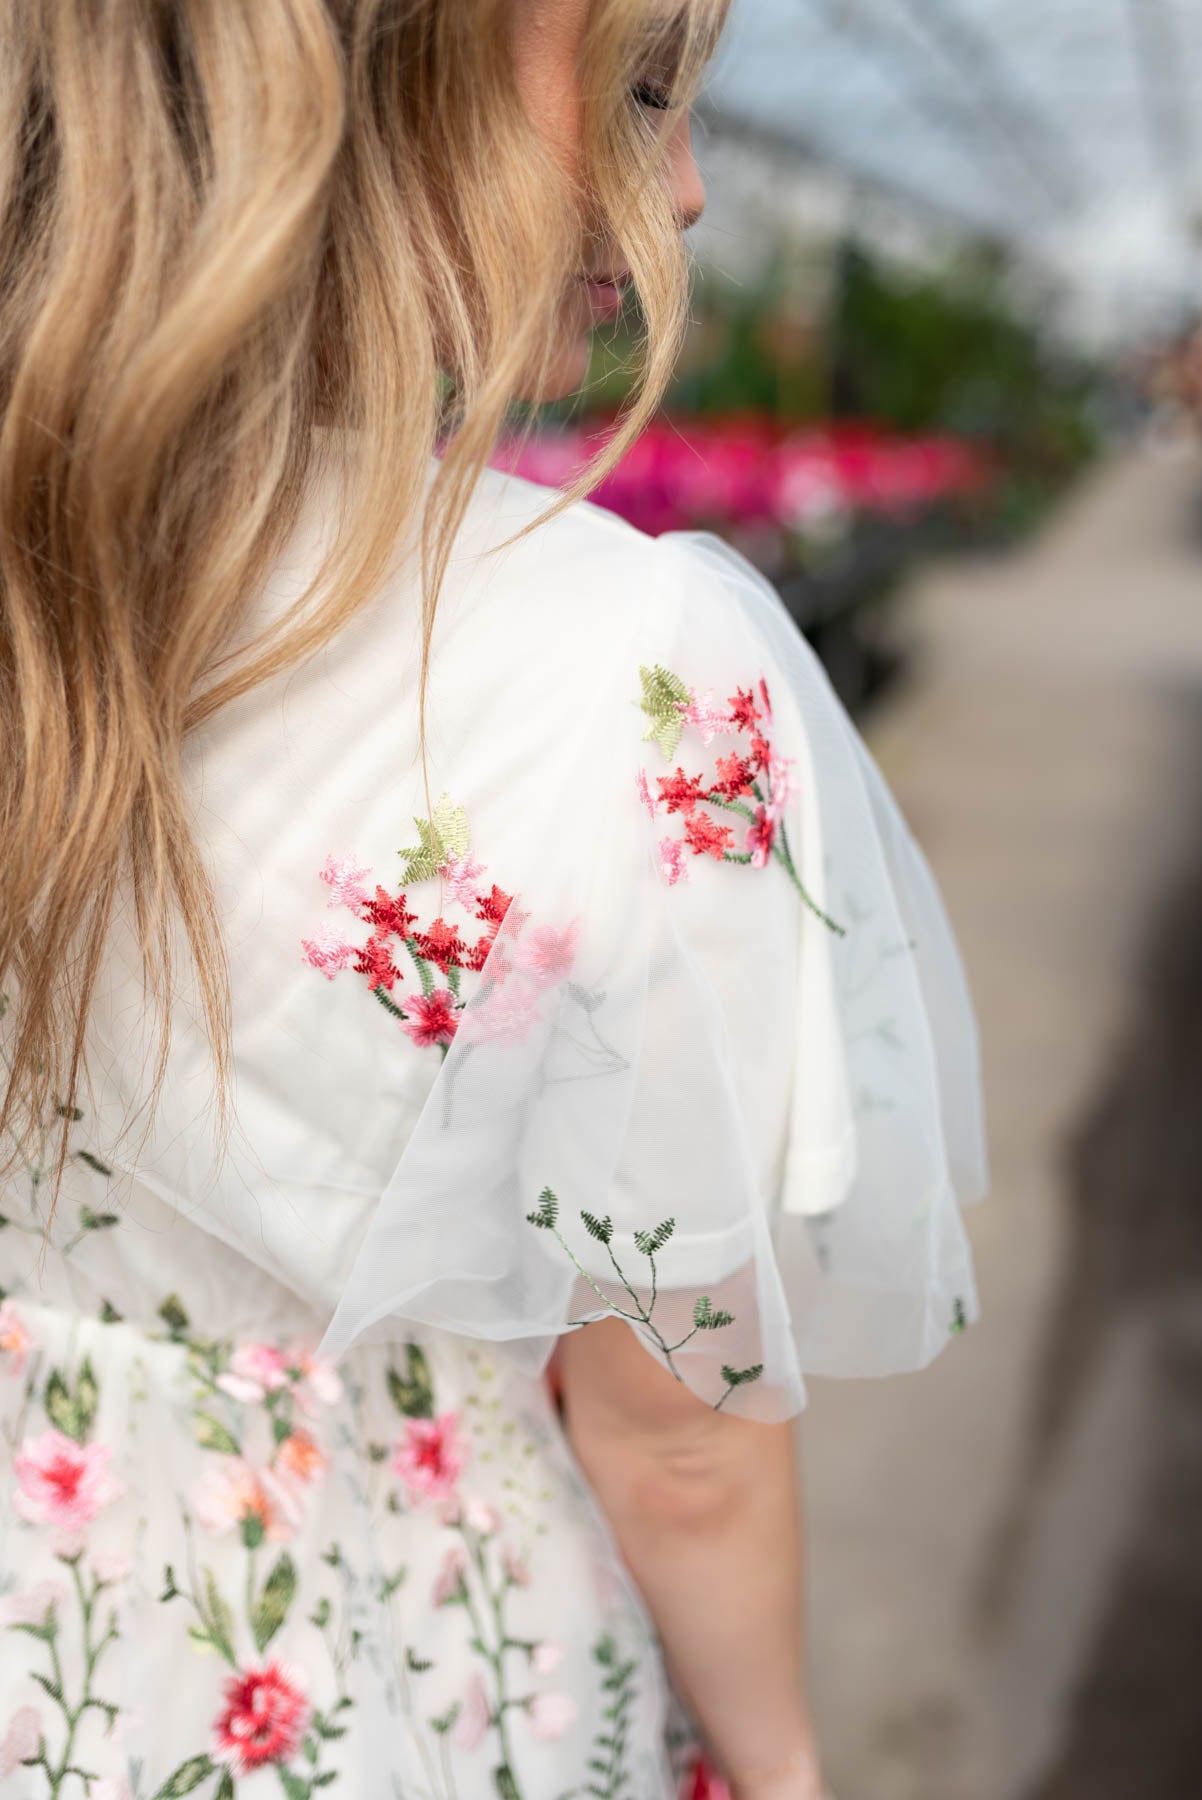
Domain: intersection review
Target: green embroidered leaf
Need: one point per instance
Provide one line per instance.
(601, 1229)
(173, 1315)
(94, 1221)
(219, 1620)
(506, 1786)
(295, 1786)
(326, 1778)
(279, 1590)
(87, 1397)
(444, 834)
(189, 1775)
(211, 1434)
(442, 1722)
(225, 1787)
(663, 696)
(413, 1392)
(418, 1664)
(706, 1319)
(93, 1162)
(52, 1687)
(650, 1243)
(61, 1409)
(320, 1616)
(170, 1591)
(548, 1211)
(740, 1377)
(74, 1113)
(109, 1314)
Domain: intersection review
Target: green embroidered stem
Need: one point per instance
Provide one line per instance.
(424, 974)
(388, 1003)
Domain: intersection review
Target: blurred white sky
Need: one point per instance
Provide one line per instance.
(1071, 126)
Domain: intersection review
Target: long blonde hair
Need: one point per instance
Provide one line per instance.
(227, 222)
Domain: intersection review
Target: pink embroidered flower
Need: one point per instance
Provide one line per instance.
(429, 1457)
(482, 1518)
(61, 1482)
(475, 1716)
(645, 793)
(548, 954)
(111, 1566)
(31, 1606)
(671, 860)
(344, 877)
(761, 835)
(708, 718)
(266, 1715)
(253, 1372)
(330, 950)
(301, 1458)
(506, 1015)
(433, 1018)
(462, 877)
(450, 1581)
(704, 838)
(764, 700)
(782, 784)
(21, 1741)
(546, 1657)
(551, 1715)
(14, 1338)
(517, 1569)
(230, 1494)
(320, 1379)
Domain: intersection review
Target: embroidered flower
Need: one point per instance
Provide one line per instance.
(443, 945)
(704, 838)
(301, 1458)
(546, 1657)
(374, 959)
(433, 1018)
(111, 1566)
(680, 792)
(344, 877)
(266, 1715)
(61, 1482)
(328, 950)
(761, 835)
(708, 718)
(475, 1715)
(645, 793)
(450, 1583)
(31, 1606)
(671, 860)
(494, 905)
(254, 1371)
(390, 915)
(551, 1715)
(782, 784)
(21, 1741)
(319, 1379)
(506, 1015)
(462, 877)
(231, 1495)
(14, 1338)
(516, 1568)
(736, 776)
(483, 1519)
(548, 954)
(429, 1457)
(744, 712)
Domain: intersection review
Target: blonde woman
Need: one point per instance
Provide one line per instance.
(441, 930)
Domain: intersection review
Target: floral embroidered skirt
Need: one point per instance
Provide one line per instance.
(229, 1569)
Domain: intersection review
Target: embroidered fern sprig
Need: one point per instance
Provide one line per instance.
(444, 834)
(608, 1764)
(706, 1317)
(664, 694)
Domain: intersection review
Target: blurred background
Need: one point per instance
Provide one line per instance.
(944, 386)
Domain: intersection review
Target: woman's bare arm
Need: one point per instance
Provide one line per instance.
(706, 1510)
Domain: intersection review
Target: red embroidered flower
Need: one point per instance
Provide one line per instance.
(761, 835)
(735, 775)
(375, 961)
(429, 1457)
(443, 945)
(704, 838)
(763, 687)
(433, 1018)
(679, 792)
(494, 905)
(743, 709)
(387, 914)
(266, 1716)
(760, 750)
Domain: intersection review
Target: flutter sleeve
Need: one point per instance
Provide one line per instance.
(719, 1076)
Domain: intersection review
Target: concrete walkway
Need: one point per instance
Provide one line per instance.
(969, 1526)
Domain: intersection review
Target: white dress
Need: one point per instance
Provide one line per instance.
(651, 1011)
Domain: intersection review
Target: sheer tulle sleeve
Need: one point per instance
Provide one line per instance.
(719, 1073)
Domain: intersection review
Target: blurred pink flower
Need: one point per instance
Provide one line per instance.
(475, 1716)
(429, 1457)
(21, 1740)
(61, 1482)
(253, 1372)
(551, 1715)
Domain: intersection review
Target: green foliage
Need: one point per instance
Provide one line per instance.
(279, 1590)
(189, 1775)
(705, 1318)
(663, 696)
(73, 1412)
(601, 1229)
(413, 1392)
(650, 1243)
(548, 1211)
